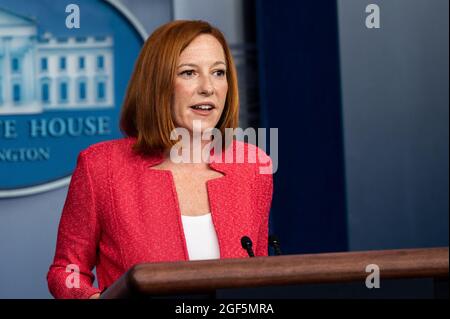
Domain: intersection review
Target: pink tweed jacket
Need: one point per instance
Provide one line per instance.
(120, 212)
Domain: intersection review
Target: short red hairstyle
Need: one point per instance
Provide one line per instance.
(146, 112)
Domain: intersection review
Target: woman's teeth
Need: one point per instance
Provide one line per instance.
(202, 107)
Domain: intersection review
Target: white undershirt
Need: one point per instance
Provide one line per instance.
(201, 237)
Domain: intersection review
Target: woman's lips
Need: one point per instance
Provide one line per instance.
(202, 112)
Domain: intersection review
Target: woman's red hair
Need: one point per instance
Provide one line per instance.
(146, 112)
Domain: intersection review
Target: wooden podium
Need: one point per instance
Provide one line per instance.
(207, 276)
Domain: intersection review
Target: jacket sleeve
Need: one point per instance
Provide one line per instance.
(70, 275)
(264, 192)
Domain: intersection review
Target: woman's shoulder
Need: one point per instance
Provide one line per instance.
(107, 148)
(251, 149)
(246, 156)
(117, 154)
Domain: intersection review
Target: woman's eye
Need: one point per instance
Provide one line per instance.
(220, 72)
(187, 73)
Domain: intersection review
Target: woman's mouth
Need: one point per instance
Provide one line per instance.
(204, 109)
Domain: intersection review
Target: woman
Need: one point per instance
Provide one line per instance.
(129, 202)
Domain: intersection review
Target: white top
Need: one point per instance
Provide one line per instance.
(201, 237)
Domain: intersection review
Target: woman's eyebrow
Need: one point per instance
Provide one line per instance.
(195, 65)
(219, 62)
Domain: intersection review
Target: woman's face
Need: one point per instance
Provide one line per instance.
(200, 85)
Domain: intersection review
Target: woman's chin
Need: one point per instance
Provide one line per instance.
(201, 126)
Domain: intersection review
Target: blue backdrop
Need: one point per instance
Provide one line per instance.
(300, 94)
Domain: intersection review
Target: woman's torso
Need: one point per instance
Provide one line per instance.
(140, 207)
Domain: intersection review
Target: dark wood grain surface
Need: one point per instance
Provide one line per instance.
(208, 275)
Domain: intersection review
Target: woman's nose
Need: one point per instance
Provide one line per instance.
(206, 87)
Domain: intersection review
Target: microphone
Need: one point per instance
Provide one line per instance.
(247, 244)
(275, 243)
